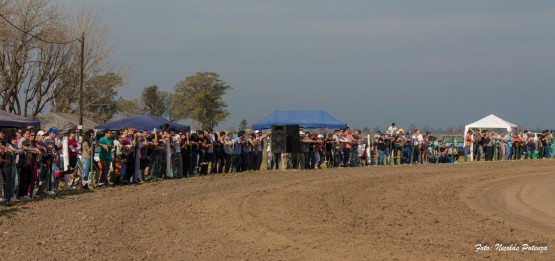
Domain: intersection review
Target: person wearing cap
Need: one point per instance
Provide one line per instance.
(319, 150)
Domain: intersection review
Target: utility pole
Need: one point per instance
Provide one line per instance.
(81, 79)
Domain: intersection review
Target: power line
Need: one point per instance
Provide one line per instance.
(36, 36)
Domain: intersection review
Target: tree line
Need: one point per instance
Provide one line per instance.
(40, 58)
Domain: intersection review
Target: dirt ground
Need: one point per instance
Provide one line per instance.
(438, 212)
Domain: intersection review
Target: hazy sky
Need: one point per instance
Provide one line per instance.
(368, 63)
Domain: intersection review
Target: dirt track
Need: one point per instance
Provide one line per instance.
(412, 212)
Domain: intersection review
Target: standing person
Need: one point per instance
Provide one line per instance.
(488, 145)
(73, 149)
(508, 145)
(34, 163)
(337, 146)
(381, 150)
(467, 143)
(398, 141)
(478, 148)
(502, 145)
(319, 151)
(407, 149)
(546, 144)
(41, 162)
(177, 158)
(347, 146)
(388, 140)
(209, 158)
(354, 149)
(270, 161)
(417, 141)
(186, 153)
(258, 148)
(2, 151)
(106, 145)
(9, 167)
(330, 147)
(221, 152)
(228, 150)
(424, 145)
(138, 144)
(86, 150)
(24, 165)
(392, 129)
(238, 151)
(51, 153)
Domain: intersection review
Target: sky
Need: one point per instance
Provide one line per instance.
(368, 63)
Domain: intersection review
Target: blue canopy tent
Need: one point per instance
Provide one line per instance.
(8, 120)
(305, 119)
(142, 122)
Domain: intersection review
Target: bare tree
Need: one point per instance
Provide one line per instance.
(458, 129)
(426, 128)
(40, 56)
(30, 59)
(89, 24)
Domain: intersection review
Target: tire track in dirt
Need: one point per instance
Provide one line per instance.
(523, 200)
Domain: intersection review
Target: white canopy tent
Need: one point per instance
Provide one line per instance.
(491, 122)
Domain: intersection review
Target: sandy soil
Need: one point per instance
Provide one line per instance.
(438, 212)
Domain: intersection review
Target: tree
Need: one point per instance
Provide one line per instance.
(243, 124)
(366, 130)
(155, 102)
(426, 128)
(199, 97)
(127, 107)
(99, 95)
(376, 129)
(458, 129)
(40, 56)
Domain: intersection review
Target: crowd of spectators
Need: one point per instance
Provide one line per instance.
(34, 162)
